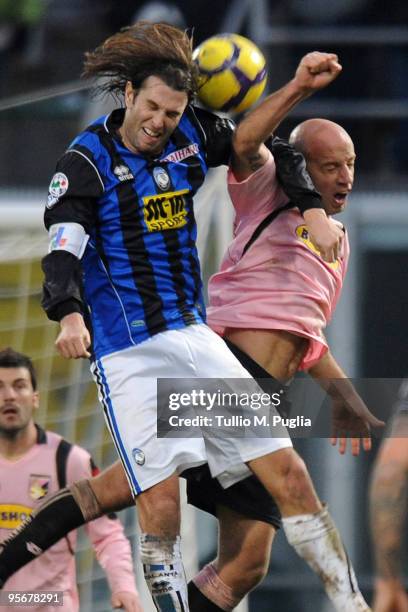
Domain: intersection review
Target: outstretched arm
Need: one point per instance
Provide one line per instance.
(388, 510)
(350, 414)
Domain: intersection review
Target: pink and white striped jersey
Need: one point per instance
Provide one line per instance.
(281, 282)
(25, 484)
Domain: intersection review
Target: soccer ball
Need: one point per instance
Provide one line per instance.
(232, 72)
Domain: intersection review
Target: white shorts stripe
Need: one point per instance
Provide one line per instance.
(112, 425)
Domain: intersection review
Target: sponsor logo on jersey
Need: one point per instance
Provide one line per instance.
(177, 156)
(12, 515)
(303, 233)
(161, 178)
(38, 486)
(123, 173)
(58, 186)
(138, 456)
(165, 211)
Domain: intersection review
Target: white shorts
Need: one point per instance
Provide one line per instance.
(127, 386)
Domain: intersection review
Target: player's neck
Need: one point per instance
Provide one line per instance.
(13, 448)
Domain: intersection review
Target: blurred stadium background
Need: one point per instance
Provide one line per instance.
(41, 48)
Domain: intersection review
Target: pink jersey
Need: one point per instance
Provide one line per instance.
(281, 282)
(25, 484)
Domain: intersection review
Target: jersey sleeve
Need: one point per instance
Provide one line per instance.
(112, 548)
(293, 175)
(73, 191)
(216, 134)
(258, 193)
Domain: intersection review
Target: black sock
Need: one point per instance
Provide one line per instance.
(198, 602)
(51, 522)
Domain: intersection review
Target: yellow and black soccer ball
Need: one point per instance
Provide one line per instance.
(232, 72)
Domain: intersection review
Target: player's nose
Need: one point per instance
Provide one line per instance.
(346, 176)
(158, 121)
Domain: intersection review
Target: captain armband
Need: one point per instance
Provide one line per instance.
(69, 237)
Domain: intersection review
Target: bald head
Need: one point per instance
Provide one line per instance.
(330, 156)
(317, 133)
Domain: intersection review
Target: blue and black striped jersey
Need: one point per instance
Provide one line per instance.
(141, 273)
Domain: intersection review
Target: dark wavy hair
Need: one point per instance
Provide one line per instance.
(9, 358)
(142, 50)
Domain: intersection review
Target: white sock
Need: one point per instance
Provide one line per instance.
(316, 539)
(164, 572)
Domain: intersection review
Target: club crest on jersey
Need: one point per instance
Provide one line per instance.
(38, 486)
(161, 178)
(166, 210)
(58, 187)
(123, 173)
(303, 233)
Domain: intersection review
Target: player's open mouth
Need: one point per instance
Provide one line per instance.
(150, 133)
(340, 198)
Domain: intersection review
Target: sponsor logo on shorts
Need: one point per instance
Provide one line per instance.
(161, 178)
(138, 456)
(165, 211)
(303, 233)
(58, 187)
(12, 515)
(38, 486)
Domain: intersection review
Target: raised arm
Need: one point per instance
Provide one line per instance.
(315, 71)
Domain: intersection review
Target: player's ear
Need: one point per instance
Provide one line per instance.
(129, 94)
(36, 399)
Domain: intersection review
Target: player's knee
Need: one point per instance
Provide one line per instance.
(245, 570)
(298, 480)
(254, 571)
(293, 475)
(158, 513)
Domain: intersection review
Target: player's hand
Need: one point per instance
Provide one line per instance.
(352, 419)
(316, 70)
(73, 340)
(346, 424)
(125, 600)
(390, 596)
(326, 234)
